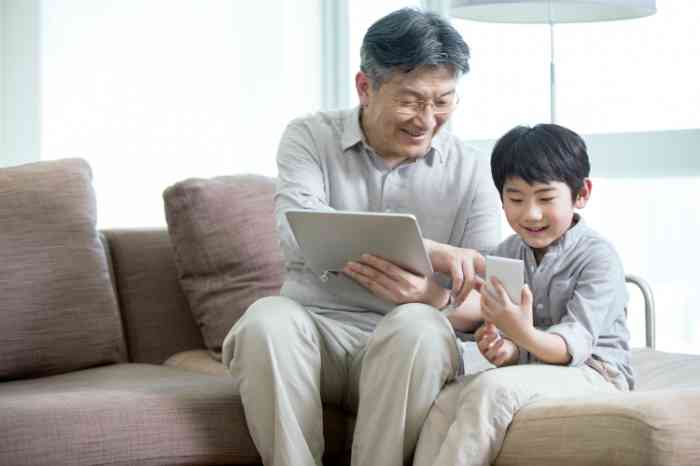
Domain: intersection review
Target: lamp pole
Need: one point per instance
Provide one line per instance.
(552, 72)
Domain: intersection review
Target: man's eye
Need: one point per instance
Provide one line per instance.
(408, 103)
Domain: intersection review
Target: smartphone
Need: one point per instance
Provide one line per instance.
(511, 272)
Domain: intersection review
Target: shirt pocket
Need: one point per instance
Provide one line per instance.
(560, 293)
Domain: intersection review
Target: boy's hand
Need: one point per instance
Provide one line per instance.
(497, 349)
(511, 319)
(460, 264)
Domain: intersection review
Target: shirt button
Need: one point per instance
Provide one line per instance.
(540, 306)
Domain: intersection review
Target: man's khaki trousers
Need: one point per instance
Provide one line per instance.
(287, 361)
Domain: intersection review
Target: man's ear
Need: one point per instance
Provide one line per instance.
(363, 87)
(584, 194)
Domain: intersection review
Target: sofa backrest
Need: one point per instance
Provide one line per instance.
(156, 318)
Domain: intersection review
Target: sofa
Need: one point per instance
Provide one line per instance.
(104, 360)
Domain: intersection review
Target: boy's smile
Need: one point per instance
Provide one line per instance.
(541, 213)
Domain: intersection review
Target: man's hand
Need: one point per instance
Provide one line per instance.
(497, 349)
(511, 319)
(395, 284)
(460, 264)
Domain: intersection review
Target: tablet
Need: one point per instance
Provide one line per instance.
(329, 240)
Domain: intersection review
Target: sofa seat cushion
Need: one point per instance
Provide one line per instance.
(123, 414)
(337, 424)
(658, 370)
(59, 309)
(198, 360)
(658, 427)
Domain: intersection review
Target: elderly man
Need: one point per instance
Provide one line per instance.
(372, 340)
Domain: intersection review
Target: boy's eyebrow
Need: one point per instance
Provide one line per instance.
(543, 189)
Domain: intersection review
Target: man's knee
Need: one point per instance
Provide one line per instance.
(418, 323)
(423, 333)
(267, 320)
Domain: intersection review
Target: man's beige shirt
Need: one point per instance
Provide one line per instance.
(325, 164)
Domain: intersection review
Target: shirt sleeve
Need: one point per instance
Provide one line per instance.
(301, 183)
(593, 304)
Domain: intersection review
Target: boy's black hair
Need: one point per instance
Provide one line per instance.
(541, 154)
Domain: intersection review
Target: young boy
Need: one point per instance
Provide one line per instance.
(568, 336)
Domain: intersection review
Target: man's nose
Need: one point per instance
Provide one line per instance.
(426, 116)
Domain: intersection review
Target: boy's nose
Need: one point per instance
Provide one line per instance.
(533, 212)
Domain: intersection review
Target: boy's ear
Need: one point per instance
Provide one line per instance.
(584, 194)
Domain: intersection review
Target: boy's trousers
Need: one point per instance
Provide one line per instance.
(287, 361)
(468, 424)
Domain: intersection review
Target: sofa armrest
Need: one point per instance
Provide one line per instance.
(649, 308)
(157, 320)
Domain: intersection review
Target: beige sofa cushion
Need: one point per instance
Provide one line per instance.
(656, 424)
(59, 311)
(226, 248)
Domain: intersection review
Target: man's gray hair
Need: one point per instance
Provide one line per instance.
(409, 38)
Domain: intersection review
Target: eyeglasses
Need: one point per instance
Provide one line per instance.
(412, 107)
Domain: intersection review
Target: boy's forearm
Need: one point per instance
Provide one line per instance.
(547, 347)
(467, 317)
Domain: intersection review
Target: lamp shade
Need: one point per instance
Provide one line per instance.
(551, 11)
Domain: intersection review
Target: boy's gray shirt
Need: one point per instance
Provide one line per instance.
(579, 293)
(324, 163)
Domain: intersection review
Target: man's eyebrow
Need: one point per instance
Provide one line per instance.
(418, 95)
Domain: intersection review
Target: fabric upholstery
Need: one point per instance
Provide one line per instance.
(652, 425)
(59, 310)
(337, 424)
(157, 319)
(123, 414)
(226, 247)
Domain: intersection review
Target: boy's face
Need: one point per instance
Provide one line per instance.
(542, 212)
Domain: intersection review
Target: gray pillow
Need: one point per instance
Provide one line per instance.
(226, 248)
(57, 305)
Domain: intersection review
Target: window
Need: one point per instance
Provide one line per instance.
(154, 92)
(636, 79)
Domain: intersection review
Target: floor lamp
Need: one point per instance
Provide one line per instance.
(551, 12)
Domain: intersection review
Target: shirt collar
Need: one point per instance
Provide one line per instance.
(353, 135)
(352, 132)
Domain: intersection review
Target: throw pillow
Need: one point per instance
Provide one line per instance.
(57, 304)
(226, 248)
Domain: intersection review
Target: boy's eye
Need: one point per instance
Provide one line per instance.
(547, 199)
(515, 200)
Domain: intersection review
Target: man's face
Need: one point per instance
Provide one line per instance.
(402, 116)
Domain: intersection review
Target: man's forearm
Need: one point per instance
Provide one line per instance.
(547, 347)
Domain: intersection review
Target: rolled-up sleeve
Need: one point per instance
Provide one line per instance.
(594, 302)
